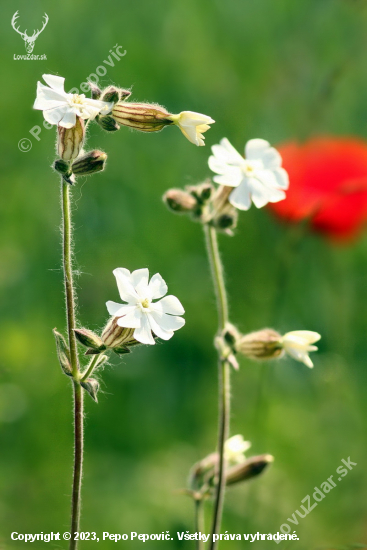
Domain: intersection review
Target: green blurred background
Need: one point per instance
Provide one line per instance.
(272, 69)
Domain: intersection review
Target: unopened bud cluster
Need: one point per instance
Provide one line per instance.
(205, 204)
(114, 337)
(203, 475)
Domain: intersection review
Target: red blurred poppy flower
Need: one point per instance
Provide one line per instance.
(328, 185)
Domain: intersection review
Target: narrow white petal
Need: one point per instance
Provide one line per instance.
(301, 356)
(157, 287)
(260, 194)
(308, 336)
(282, 178)
(53, 116)
(158, 330)
(240, 197)
(169, 304)
(139, 279)
(126, 289)
(192, 118)
(271, 159)
(232, 155)
(113, 307)
(190, 133)
(144, 333)
(118, 310)
(132, 319)
(56, 82)
(68, 120)
(48, 94)
(232, 178)
(167, 322)
(255, 148)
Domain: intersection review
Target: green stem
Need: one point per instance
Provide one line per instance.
(217, 274)
(91, 367)
(199, 521)
(78, 392)
(223, 377)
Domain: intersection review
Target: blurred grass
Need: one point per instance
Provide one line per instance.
(276, 70)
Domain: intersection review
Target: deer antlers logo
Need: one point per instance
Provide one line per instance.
(29, 40)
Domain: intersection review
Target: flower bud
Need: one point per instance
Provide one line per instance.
(141, 116)
(89, 339)
(70, 140)
(63, 353)
(96, 92)
(114, 94)
(179, 201)
(226, 220)
(202, 473)
(202, 192)
(63, 168)
(90, 163)
(91, 385)
(118, 338)
(107, 123)
(264, 344)
(252, 467)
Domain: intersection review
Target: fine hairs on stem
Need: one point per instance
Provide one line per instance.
(223, 377)
(77, 389)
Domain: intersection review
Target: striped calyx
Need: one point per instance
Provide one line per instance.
(118, 338)
(70, 140)
(141, 116)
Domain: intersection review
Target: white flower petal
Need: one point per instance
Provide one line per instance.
(55, 82)
(167, 322)
(308, 336)
(113, 307)
(240, 197)
(231, 154)
(45, 93)
(158, 330)
(53, 116)
(144, 333)
(282, 178)
(271, 159)
(68, 120)
(191, 118)
(132, 319)
(126, 289)
(169, 304)
(255, 148)
(157, 287)
(301, 356)
(139, 279)
(118, 310)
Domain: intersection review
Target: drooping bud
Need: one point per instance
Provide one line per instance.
(252, 467)
(63, 353)
(117, 338)
(202, 192)
(226, 220)
(70, 140)
(63, 168)
(96, 92)
(90, 163)
(141, 116)
(89, 339)
(263, 344)
(91, 385)
(108, 123)
(114, 94)
(179, 200)
(202, 473)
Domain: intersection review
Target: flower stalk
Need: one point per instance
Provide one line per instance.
(223, 376)
(78, 392)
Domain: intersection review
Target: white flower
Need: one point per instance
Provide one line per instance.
(61, 108)
(258, 177)
(298, 344)
(234, 449)
(140, 312)
(192, 125)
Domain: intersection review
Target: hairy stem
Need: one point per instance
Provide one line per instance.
(78, 391)
(199, 522)
(223, 377)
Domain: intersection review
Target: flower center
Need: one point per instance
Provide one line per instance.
(77, 99)
(145, 303)
(248, 169)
